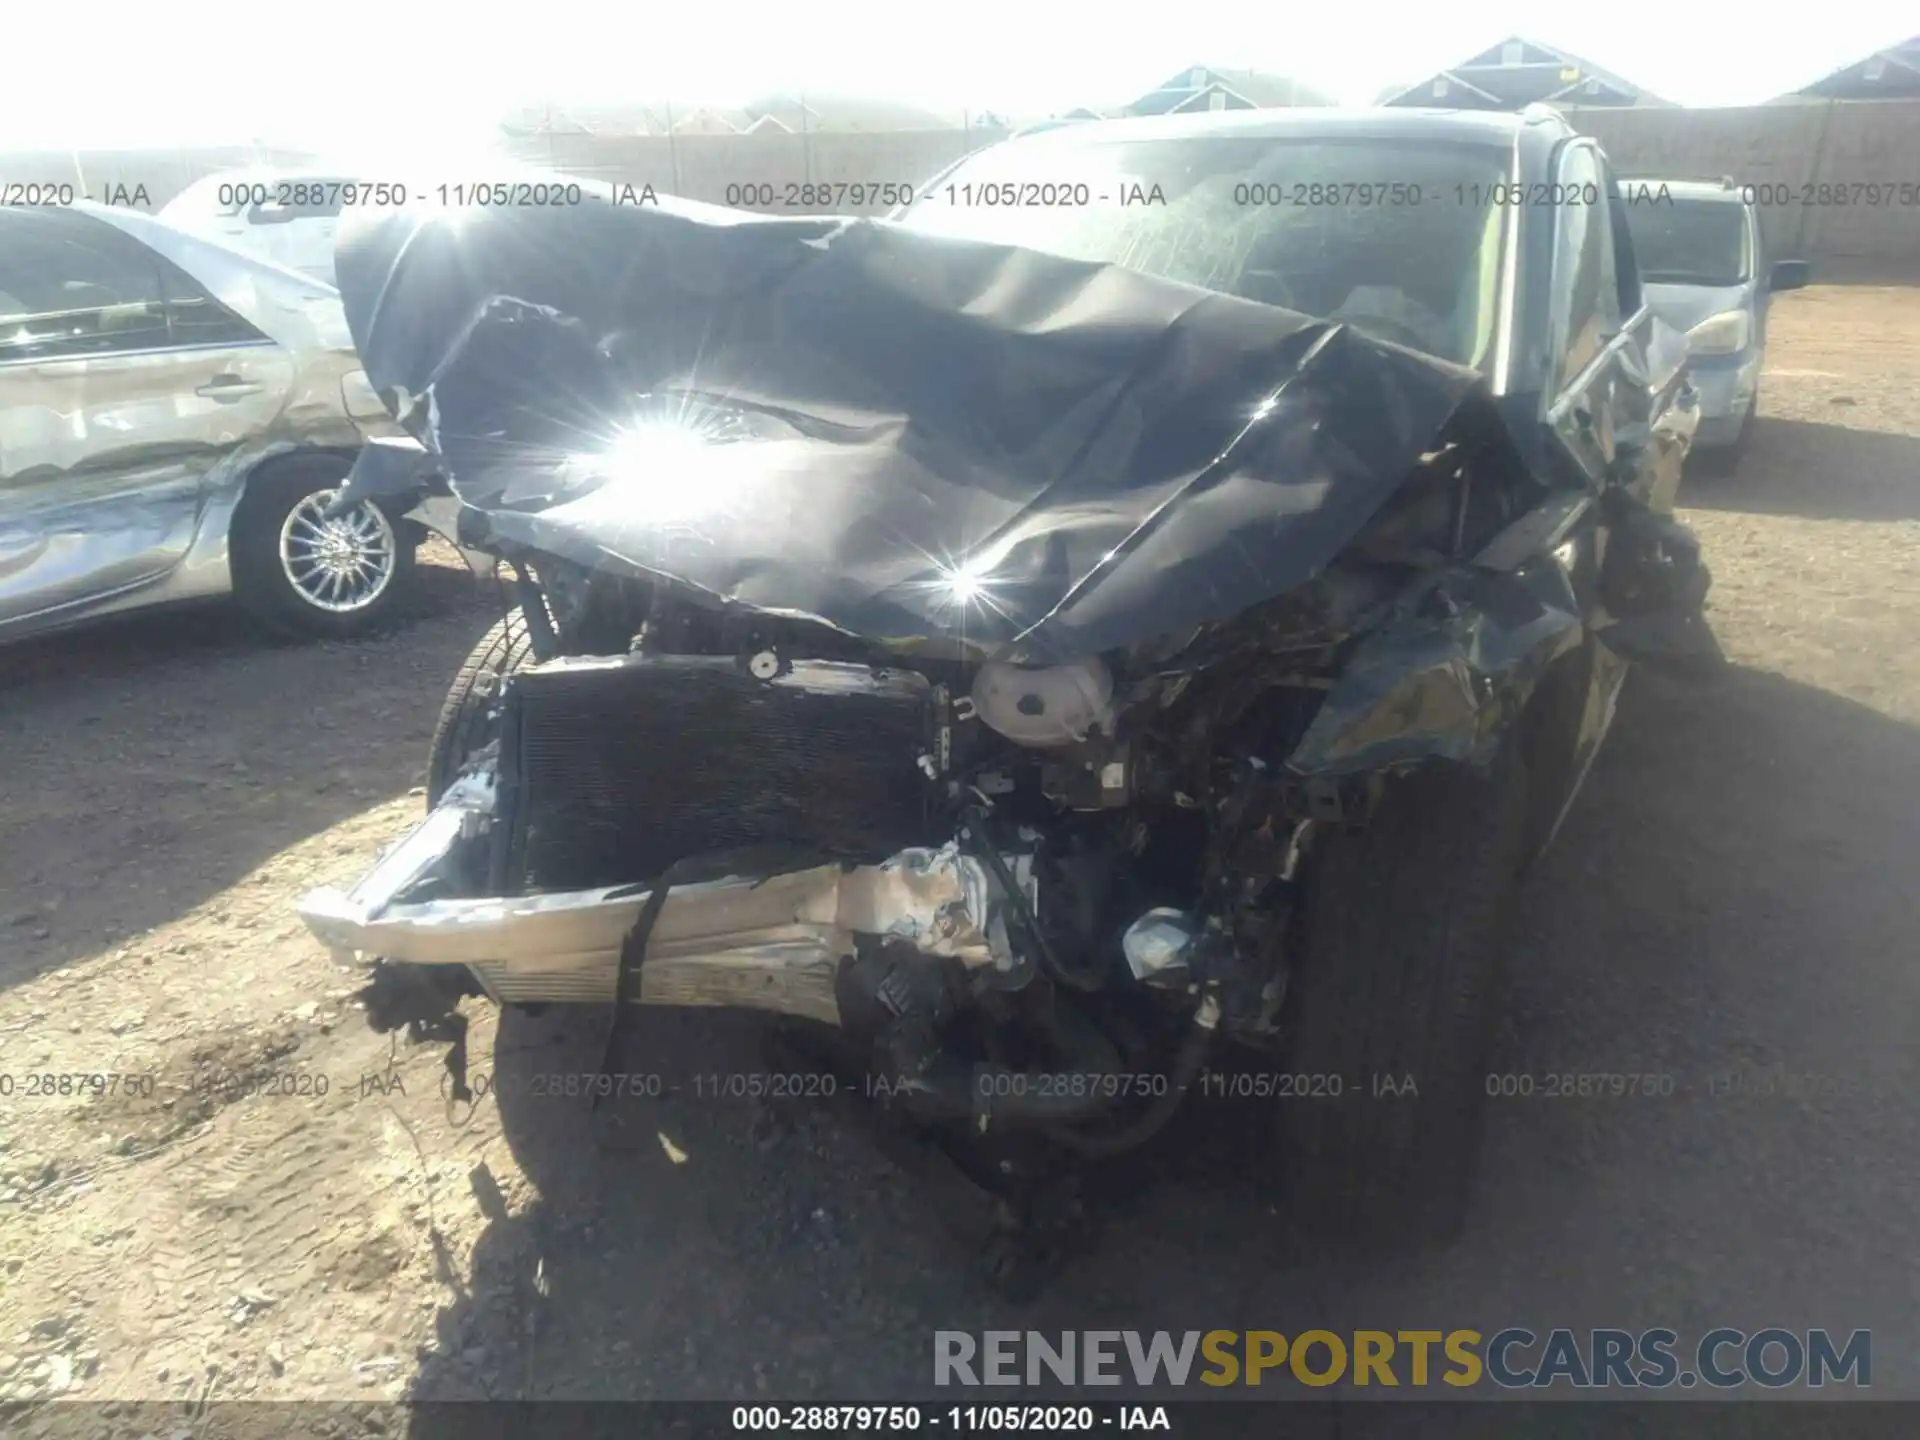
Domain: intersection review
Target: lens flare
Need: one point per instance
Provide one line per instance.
(964, 589)
(676, 467)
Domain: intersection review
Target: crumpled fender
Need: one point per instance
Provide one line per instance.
(399, 468)
(1446, 676)
(388, 468)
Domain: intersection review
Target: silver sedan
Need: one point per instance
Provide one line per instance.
(175, 419)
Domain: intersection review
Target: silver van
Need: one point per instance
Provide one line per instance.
(1704, 270)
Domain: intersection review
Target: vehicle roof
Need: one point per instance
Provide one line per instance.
(133, 221)
(190, 250)
(141, 225)
(1466, 126)
(275, 172)
(197, 194)
(1691, 189)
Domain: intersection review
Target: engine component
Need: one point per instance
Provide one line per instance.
(1057, 705)
(1159, 947)
(1090, 782)
(612, 769)
(1186, 1069)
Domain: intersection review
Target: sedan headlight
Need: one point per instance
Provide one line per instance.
(1724, 334)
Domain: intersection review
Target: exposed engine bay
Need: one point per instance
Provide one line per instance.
(981, 870)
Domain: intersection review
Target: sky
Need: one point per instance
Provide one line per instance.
(360, 73)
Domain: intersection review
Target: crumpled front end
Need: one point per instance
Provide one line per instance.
(516, 873)
(959, 646)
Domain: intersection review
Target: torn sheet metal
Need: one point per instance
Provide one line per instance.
(915, 439)
(1444, 678)
(768, 942)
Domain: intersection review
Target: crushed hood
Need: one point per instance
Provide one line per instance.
(910, 438)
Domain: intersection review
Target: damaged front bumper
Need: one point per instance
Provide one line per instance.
(774, 942)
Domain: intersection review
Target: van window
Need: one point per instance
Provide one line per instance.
(1690, 241)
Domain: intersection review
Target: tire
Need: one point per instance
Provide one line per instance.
(1737, 451)
(265, 531)
(1724, 461)
(467, 720)
(1401, 944)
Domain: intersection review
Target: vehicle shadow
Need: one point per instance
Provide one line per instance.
(1814, 470)
(153, 761)
(692, 1247)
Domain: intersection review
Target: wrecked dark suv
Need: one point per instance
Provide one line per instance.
(1048, 641)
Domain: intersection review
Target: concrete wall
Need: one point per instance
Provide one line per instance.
(1825, 143)
(1830, 143)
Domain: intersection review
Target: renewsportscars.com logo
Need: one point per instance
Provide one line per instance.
(1514, 1358)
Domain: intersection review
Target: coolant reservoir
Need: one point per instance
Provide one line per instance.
(1054, 705)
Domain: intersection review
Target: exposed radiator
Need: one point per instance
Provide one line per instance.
(611, 770)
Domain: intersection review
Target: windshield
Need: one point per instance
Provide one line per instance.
(1690, 242)
(1399, 238)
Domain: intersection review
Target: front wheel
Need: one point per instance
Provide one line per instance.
(299, 570)
(1401, 940)
(1726, 459)
(1737, 451)
(469, 719)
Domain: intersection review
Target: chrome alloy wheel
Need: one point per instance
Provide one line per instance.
(338, 564)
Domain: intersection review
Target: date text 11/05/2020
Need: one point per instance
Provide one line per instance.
(990, 1083)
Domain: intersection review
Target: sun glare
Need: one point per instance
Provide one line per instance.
(672, 471)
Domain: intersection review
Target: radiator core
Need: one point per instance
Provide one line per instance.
(611, 770)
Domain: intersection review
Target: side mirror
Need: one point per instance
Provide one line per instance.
(1789, 275)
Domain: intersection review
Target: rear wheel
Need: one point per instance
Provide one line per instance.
(469, 719)
(299, 570)
(1403, 928)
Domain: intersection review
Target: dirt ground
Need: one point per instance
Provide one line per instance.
(1733, 890)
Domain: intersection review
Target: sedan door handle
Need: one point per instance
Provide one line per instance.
(229, 387)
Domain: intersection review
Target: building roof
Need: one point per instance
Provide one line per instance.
(706, 120)
(619, 118)
(1893, 72)
(850, 112)
(1485, 127)
(1258, 88)
(1539, 73)
(796, 113)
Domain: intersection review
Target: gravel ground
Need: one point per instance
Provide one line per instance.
(1729, 896)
